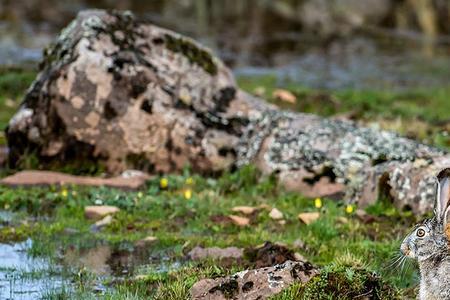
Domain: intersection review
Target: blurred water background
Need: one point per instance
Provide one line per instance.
(331, 44)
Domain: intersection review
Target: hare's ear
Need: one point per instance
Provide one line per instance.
(443, 196)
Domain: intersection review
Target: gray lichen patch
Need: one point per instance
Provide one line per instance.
(355, 156)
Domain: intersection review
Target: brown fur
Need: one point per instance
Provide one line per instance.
(447, 233)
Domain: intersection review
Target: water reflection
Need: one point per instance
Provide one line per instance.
(23, 277)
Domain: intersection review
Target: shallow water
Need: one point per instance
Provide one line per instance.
(23, 277)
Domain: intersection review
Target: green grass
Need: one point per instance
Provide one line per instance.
(13, 83)
(181, 224)
(350, 252)
(421, 114)
(431, 105)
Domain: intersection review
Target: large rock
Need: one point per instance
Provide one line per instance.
(126, 94)
(130, 95)
(254, 284)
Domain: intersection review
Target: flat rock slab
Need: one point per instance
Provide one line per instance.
(49, 178)
(199, 253)
(254, 284)
(96, 212)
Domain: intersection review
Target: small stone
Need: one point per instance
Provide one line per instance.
(96, 212)
(146, 241)
(246, 210)
(282, 222)
(104, 222)
(342, 220)
(308, 217)
(285, 96)
(239, 221)
(275, 214)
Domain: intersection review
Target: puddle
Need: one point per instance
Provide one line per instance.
(22, 277)
(104, 260)
(6, 217)
(25, 277)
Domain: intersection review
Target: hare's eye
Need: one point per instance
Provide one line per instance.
(420, 232)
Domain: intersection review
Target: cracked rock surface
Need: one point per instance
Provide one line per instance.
(124, 94)
(254, 284)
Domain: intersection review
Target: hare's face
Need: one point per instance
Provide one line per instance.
(425, 241)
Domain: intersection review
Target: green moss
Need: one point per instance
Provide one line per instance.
(193, 52)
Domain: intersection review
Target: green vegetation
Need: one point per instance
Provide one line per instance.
(13, 83)
(54, 219)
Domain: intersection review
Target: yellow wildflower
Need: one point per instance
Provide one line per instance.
(318, 203)
(140, 195)
(64, 193)
(189, 181)
(164, 183)
(188, 194)
(349, 209)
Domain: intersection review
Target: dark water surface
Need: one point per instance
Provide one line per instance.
(253, 41)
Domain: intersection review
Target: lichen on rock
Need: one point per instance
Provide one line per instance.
(254, 284)
(121, 87)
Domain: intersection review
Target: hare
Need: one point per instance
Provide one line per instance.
(429, 244)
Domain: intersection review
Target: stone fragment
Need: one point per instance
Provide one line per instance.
(104, 222)
(239, 221)
(285, 96)
(246, 210)
(199, 253)
(308, 217)
(275, 214)
(96, 212)
(146, 241)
